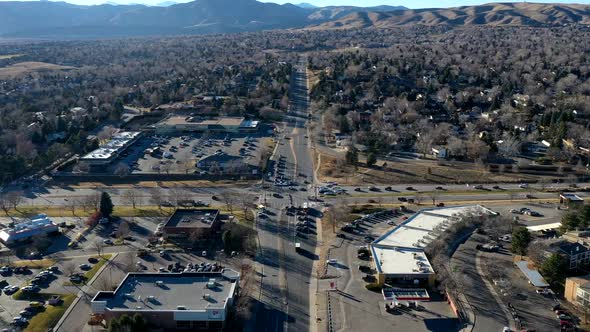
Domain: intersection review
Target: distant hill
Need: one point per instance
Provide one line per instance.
(59, 20)
(525, 14)
(166, 3)
(336, 12)
(305, 5)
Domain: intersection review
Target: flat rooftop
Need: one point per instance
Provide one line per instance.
(168, 291)
(187, 120)
(192, 218)
(401, 261)
(420, 228)
(116, 143)
(401, 250)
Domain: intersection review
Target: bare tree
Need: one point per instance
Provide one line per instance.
(14, 198)
(106, 133)
(156, 197)
(69, 268)
(121, 169)
(229, 198)
(123, 230)
(72, 204)
(99, 246)
(4, 204)
(433, 195)
(130, 197)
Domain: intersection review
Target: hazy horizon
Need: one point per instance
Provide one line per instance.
(413, 4)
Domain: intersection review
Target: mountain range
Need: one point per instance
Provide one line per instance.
(58, 20)
(519, 14)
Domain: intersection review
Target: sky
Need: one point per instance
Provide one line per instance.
(364, 3)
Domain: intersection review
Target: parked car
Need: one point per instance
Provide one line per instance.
(331, 261)
(85, 267)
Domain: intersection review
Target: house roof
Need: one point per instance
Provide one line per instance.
(569, 248)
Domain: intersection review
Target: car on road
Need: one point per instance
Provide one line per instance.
(479, 186)
(373, 188)
(388, 189)
(439, 188)
(410, 188)
(496, 187)
(107, 242)
(515, 211)
(523, 185)
(402, 199)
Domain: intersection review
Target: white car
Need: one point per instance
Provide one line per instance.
(523, 185)
(331, 261)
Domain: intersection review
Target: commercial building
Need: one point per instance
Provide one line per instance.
(398, 255)
(191, 224)
(112, 149)
(182, 124)
(577, 290)
(569, 199)
(24, 231)
(190, 301)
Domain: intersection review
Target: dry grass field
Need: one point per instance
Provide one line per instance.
(22, 68)
(413, 171)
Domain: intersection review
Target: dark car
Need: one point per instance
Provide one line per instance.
(410, 188)
(93, 260)
(388, 189)
(439, 188)
(402, 199)
(341, 235)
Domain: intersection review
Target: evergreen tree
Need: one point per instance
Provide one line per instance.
(520, 240)
(106, 205)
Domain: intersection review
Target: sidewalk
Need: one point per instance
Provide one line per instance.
(83, 291)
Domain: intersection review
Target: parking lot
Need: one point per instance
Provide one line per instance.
(153, 154)
(357, 309)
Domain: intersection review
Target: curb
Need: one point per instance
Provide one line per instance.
(79, 295)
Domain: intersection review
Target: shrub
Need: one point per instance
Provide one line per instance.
(93, 219)
(374, 287)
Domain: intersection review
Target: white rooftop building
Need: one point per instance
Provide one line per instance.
(399, 255)
(111, 150)
(24, 231)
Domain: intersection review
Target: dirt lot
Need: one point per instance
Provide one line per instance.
(413, 171)
(9, 56)
(21, 68)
